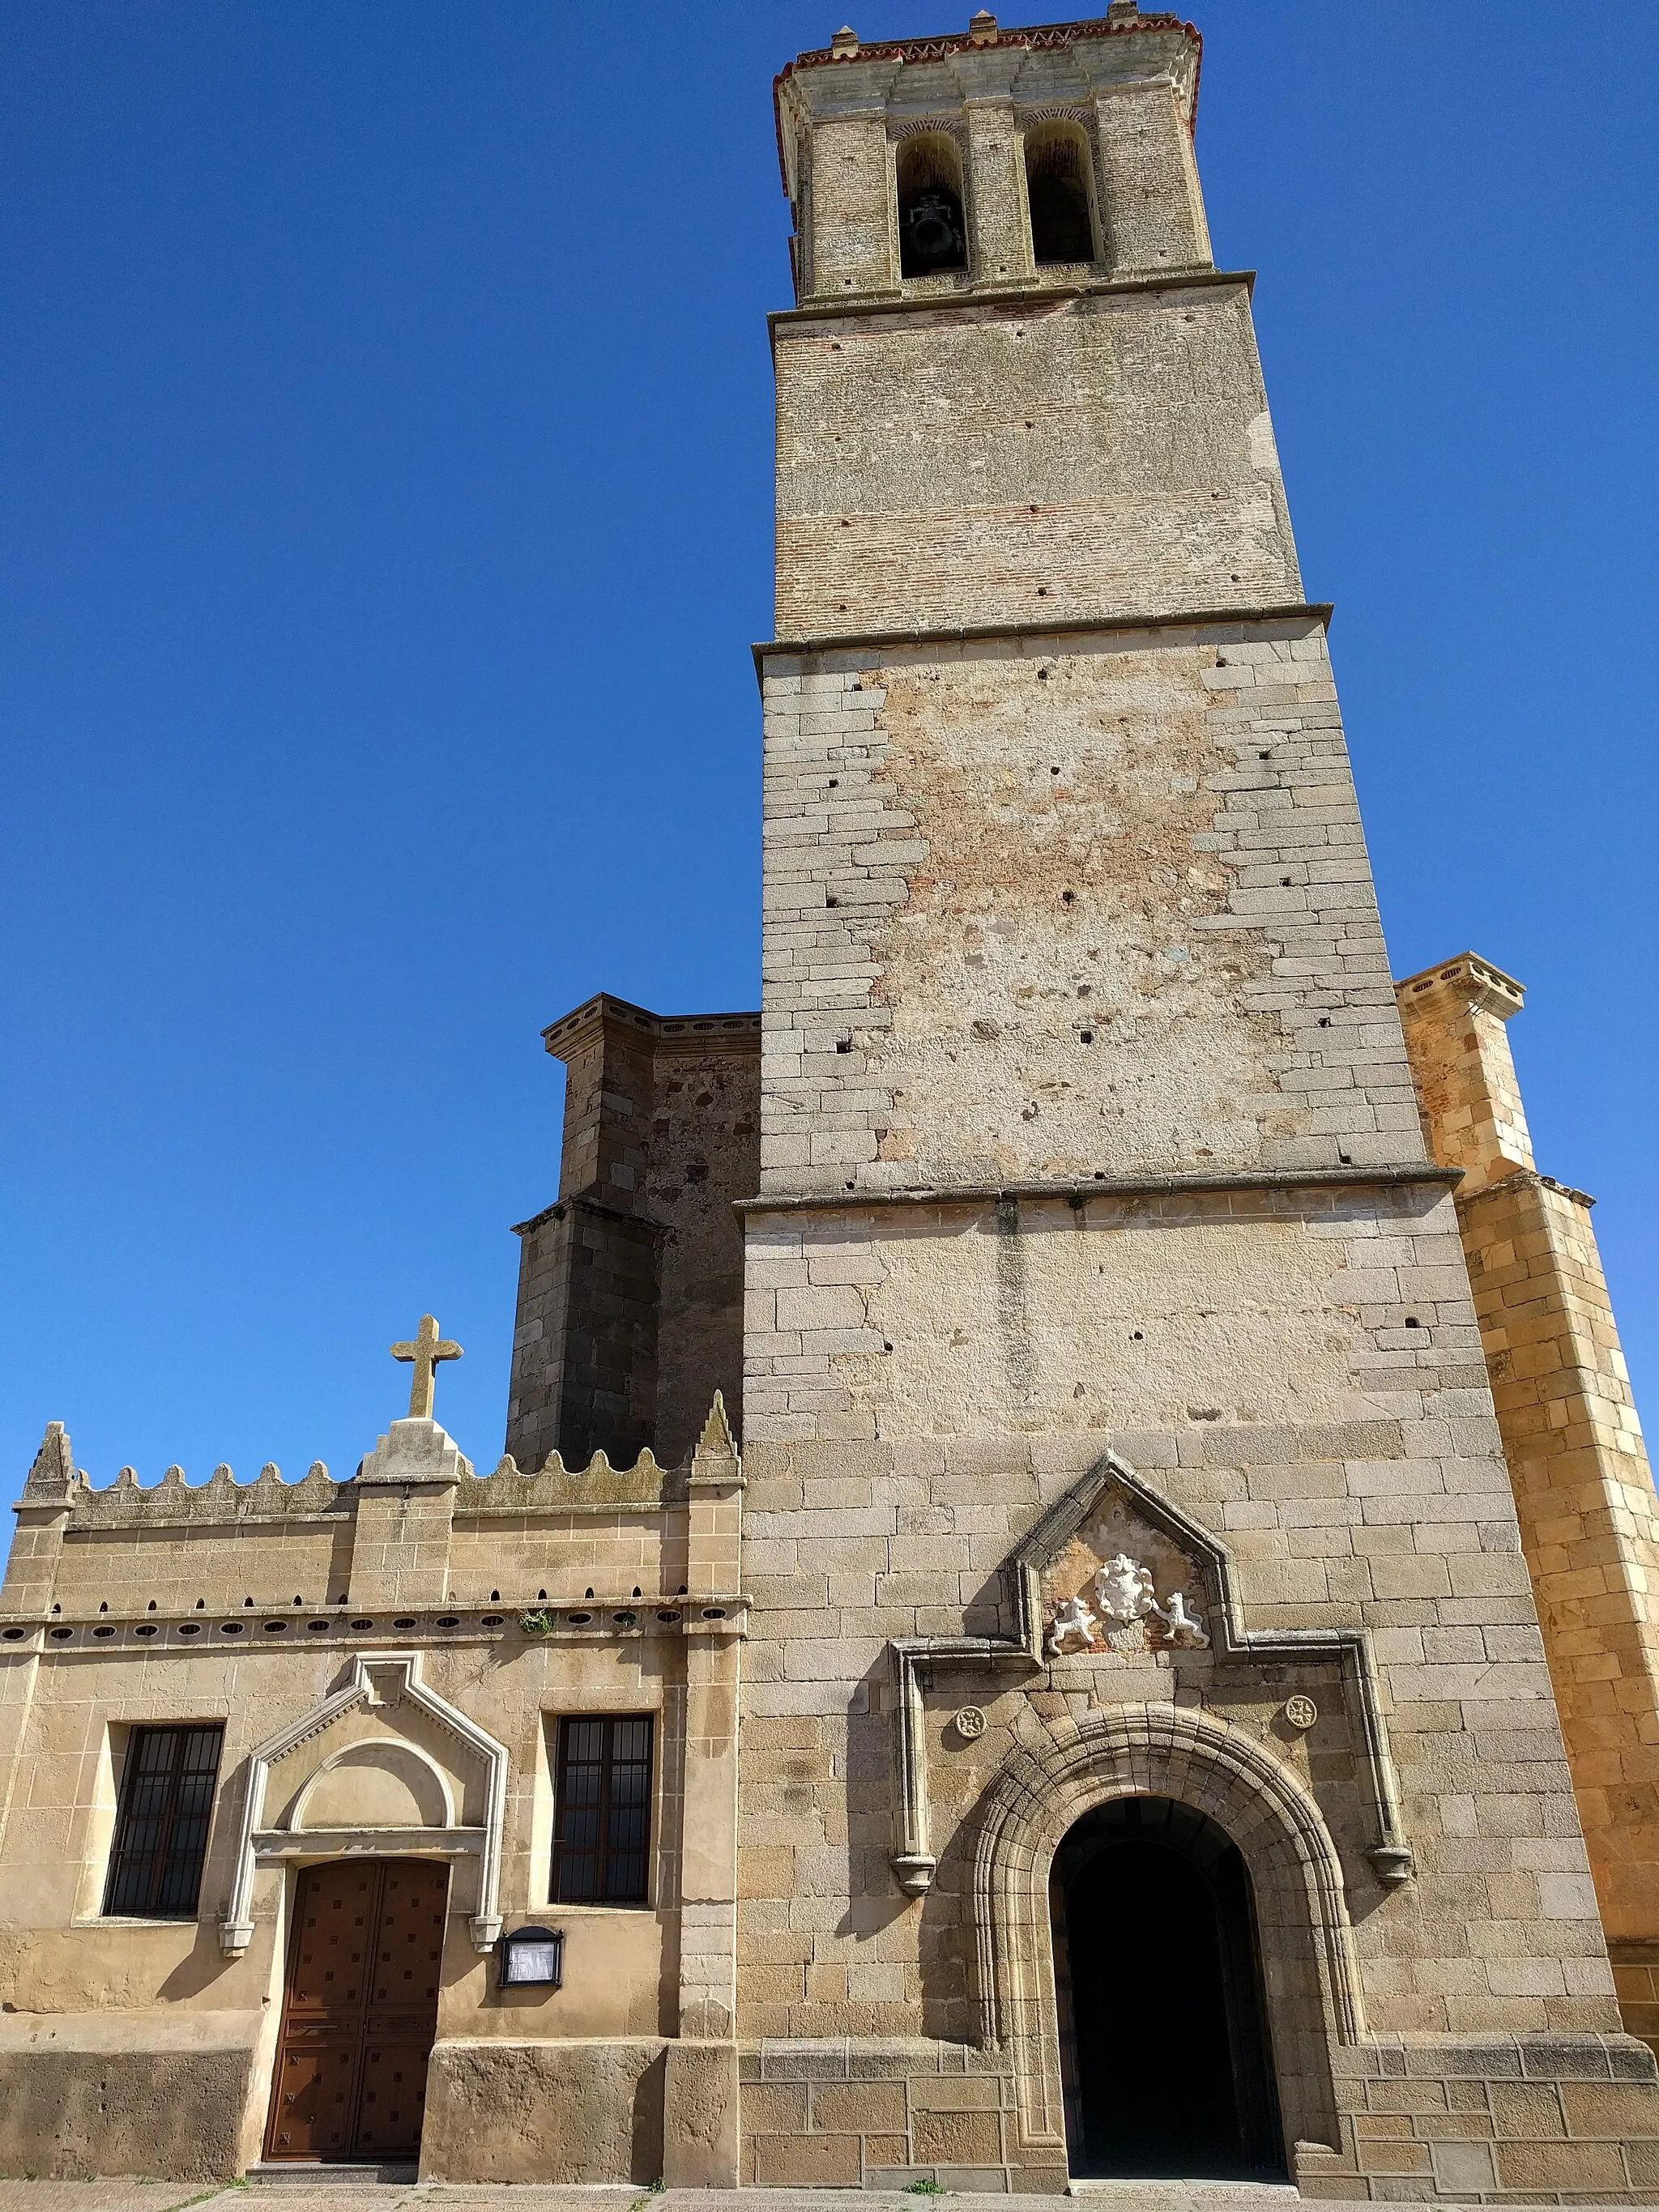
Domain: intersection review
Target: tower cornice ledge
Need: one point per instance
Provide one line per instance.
(1318, 611)
(1034, 291)
(1079, 1193)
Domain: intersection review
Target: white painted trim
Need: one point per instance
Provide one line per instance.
(236, 1926)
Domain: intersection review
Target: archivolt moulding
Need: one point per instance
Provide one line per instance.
(1169, 1751)
(915, 1658)
(385, 1680)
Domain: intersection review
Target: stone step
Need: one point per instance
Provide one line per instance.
(290, 2172)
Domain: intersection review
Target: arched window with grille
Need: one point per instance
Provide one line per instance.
(933, 228)
(1058, 181)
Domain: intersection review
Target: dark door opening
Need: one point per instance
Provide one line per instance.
(1165, 2054)
(360, 2011)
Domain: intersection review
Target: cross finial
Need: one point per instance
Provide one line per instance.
(427, 1349)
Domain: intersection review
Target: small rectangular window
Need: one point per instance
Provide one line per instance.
(602, 1813)
(161, 1826)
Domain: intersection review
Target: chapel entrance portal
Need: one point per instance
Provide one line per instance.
(360, 2011)
(1164, 2052)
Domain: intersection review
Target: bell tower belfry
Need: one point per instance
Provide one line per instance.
(1097, 1248)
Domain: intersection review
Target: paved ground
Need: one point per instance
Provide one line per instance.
(439, 2197)
(297, 2196)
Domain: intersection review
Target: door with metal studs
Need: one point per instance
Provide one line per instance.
(360, 2011)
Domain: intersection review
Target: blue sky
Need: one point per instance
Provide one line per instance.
(384, 411)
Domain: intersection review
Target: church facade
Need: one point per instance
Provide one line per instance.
(1071, 1592)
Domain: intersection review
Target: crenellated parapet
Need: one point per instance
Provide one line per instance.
(415, 1527)
(553, 1487)
(176, 1503)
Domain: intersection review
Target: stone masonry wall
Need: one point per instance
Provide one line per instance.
(1582, 1484)
(489, 1582)
(629, 1307)
(1066, 906)
(1064, 460)
(1299, 1372)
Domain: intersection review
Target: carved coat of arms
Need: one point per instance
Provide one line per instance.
(1124, 1596)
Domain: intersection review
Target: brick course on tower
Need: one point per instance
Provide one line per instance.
(1137, 1706)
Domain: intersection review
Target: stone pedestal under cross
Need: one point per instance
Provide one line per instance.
(427, 1350)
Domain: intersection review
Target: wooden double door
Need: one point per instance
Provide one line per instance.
(360, 2011)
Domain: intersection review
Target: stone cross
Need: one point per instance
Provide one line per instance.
(427, 1349)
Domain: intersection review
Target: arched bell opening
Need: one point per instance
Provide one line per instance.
(1166, 2063)
(1057, 168)
(933, 230)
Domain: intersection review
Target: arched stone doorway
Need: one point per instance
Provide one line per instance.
(1165, 2059)
(1046, 1787)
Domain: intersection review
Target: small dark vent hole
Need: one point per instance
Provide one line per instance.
(1412, 1322)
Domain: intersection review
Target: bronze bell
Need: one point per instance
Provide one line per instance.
(932, 225)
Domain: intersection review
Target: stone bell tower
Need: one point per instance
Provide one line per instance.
(1119, 1450)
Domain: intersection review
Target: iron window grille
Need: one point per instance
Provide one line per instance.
(602, 1817)
(161, 1823)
